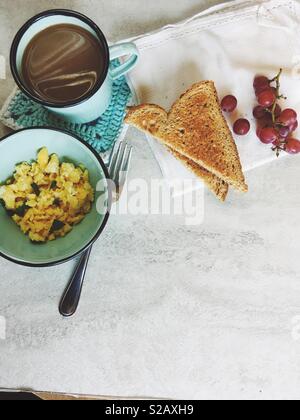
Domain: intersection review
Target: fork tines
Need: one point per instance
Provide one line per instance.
(119, 163)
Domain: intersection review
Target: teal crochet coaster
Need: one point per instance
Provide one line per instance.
(21, 112)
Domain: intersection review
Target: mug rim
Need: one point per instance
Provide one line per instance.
(101, 228)
(24, 29)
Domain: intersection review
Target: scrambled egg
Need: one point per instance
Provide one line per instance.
(47, 198)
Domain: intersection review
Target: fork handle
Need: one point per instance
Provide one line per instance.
(71, 297)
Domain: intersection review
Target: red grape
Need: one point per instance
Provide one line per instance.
(288, 117)
(241, 127)
(259, 112)
(268, 135)
(261, 89)
(229, 103)
(293, 127)
(258, 130)
(292, 146)
(284, 132)
(261, 82)
(266, 98)
(267, 120)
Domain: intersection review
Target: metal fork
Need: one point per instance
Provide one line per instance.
(118, 167)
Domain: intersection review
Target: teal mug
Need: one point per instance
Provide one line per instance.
(92, 105)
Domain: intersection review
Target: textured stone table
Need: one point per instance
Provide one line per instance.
(167, 310)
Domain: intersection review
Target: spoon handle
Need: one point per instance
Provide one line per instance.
(71, 297)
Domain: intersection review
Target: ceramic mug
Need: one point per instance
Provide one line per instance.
(96, 101)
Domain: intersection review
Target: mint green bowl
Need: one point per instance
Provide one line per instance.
(22, 146)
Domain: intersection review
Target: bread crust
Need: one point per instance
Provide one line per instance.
(215, 184)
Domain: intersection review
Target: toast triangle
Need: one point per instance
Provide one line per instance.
(195, 128)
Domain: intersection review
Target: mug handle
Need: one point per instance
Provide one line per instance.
(117, 51)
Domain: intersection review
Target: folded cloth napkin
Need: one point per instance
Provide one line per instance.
(228, 44)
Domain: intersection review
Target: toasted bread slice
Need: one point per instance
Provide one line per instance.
(215, 184)
(195, 128)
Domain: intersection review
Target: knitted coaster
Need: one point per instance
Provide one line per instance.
(21, 112)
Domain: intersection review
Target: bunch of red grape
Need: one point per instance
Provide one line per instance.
(274, 126)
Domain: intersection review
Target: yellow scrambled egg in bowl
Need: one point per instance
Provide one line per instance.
(47, 198)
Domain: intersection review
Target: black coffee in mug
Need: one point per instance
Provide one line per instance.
(63, 63)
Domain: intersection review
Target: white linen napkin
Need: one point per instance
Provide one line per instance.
(228, 44)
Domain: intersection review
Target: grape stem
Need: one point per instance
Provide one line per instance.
(277, 78)
(278, 96)
(281, 146)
